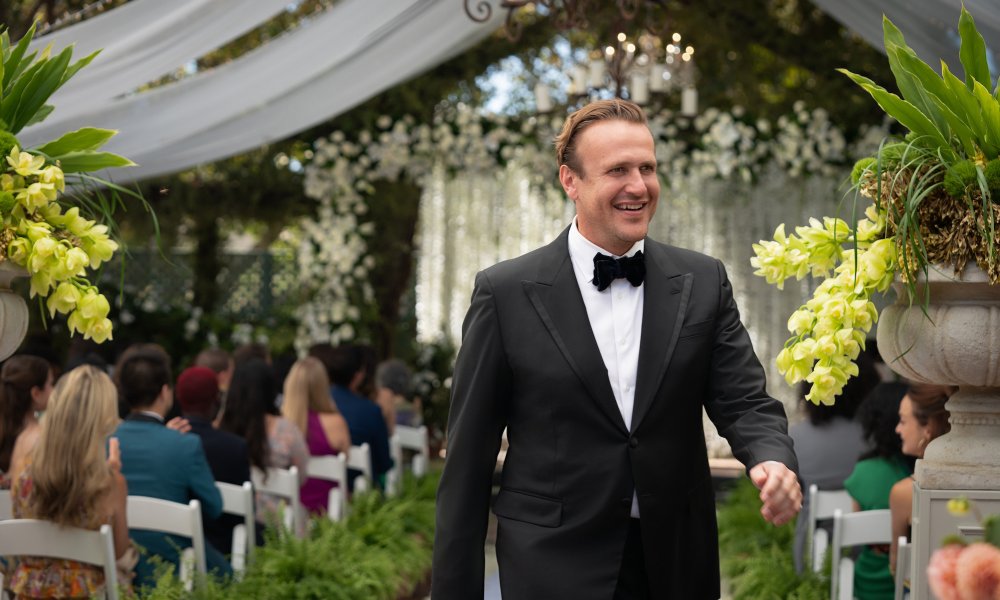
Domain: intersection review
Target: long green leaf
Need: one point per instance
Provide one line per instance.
(991, 115)
(973, 51)
(11, 62)
(917, 84)
(966, 137)
(83, 62)
(40, 115)
(87, 138)
(86, 162)
(8, 107)
(963, 98)
(42, 86)
(899, 109)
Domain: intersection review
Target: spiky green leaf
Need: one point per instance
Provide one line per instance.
(991, 115)
(12, 60)
(973, 51)
(899, 109)
(964, 101)
(42, 86)
(83, 62)
(87, 138)
(86, 162)
(917, 82)
(40, 114)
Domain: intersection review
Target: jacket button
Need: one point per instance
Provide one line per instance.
(633, 443)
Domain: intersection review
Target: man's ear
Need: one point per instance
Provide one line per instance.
(568, 180)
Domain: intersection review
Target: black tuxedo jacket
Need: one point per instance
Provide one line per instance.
(529, 362)
(227, 456)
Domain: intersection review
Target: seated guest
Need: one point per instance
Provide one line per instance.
(159, 462)
(272, 441)
(68, 479)
(872, 479)
(309, 407)
(25, 387)
(922, 418)
(392, 393)
(220, 362)
(251, 351)
(198, 396)
(345, 368)
(828, 443)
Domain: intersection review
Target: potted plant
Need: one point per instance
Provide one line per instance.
(49, 201)
(934, 214)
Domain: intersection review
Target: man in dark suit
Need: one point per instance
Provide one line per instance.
(197, 394)
(160, 462)
(599, 368)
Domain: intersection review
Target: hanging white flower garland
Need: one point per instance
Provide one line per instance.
(333, 260)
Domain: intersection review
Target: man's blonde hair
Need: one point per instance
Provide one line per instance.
(601, 110)
(69, 467)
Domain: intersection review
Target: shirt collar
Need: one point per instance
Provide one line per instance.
(582, 251)
(150, 413)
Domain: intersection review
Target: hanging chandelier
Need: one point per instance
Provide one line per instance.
(564, 14)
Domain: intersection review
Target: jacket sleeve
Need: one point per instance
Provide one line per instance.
(753, 422)
(202, 482)
(381, 458)
(480, 390)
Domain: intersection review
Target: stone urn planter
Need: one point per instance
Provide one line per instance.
(13, 310)
(957, 342)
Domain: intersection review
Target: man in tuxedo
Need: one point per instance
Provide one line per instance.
(597, 353)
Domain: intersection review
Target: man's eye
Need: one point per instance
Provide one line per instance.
(647, 169)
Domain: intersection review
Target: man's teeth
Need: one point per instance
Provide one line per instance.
(629, 207)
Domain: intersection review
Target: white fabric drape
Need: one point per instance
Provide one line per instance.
(930, 26)
(330, 64)
(143, 43)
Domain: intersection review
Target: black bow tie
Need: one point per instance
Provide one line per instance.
(607, 269)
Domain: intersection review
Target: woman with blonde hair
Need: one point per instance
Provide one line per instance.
(69, 479)
(308, 404)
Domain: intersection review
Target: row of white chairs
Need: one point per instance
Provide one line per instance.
(850, 529)
(412, 439)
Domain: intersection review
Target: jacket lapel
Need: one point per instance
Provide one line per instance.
(664, 306)
(556, 298)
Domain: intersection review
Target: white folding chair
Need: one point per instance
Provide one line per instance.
(822, 504)
(360, 459)
(30, 537)
(164, 516)
(332, 468)
(283, 483)
(407, 438)
(902, 567)
(854, 529)
(238, 500)
(6, 506)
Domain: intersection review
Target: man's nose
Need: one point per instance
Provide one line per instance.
(635, 184)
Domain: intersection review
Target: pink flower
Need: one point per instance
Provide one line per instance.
(941, 572)
(977, 572)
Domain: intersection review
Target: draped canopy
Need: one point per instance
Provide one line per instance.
(326, 66)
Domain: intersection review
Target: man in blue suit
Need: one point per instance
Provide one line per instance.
(159, 462)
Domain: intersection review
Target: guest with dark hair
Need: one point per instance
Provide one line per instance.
(922, 418)
(272, 441)
(345, 367)
(828, 443)
(253, 350)
(872, 479)
(220, 362)
(25, 387)
(159, 462)
(198, 396)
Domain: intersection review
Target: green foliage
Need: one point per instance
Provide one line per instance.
(992, 174)
(954, 118)
(381, 551)
(7, 141)
(961, 175)
(756, 557)
(865, 165)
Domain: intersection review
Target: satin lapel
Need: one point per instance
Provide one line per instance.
(667, 293)
(557, 300)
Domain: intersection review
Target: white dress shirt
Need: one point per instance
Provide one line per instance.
(615, 317)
